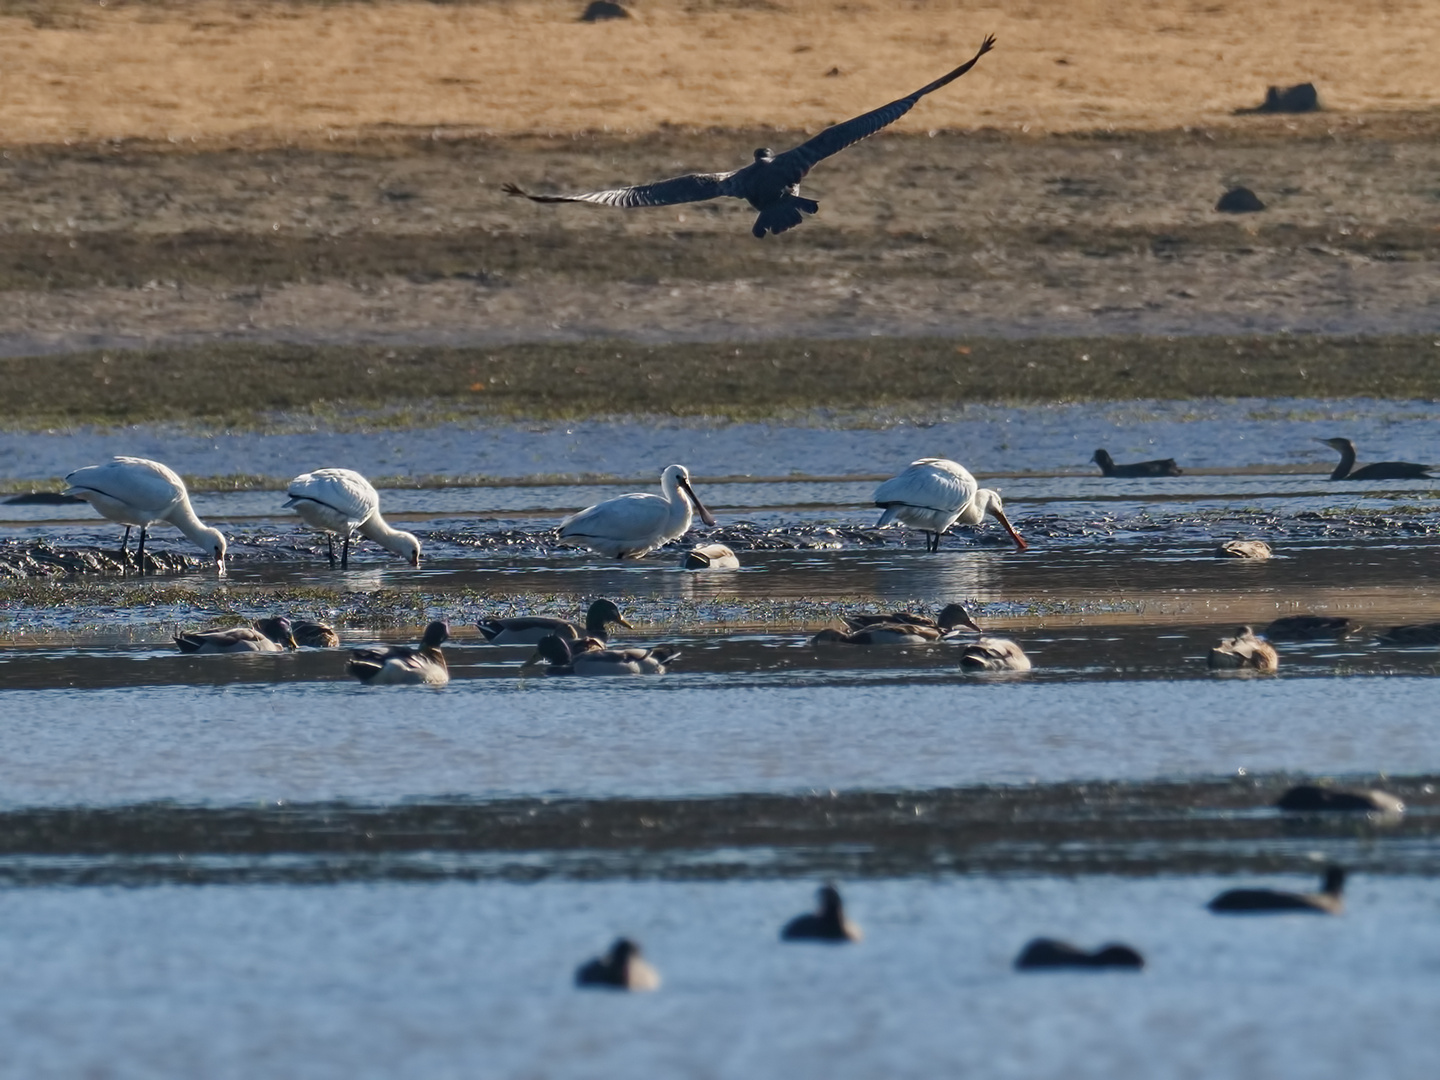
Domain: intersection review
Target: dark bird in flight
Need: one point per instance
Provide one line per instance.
(771, 183)
(1380, 470)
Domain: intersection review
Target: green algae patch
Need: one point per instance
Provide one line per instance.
(241, 384)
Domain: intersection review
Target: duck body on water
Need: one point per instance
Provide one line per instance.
(1048, 953)
(951, 617)
(1380, 470)
(1328, 901)
(341, 502)
(1245, 652)
(267, 635)
(561, 658)
(401, 665)
(620, 968)
(934, 494)
(138, 493)
(529, 629)
(1159, 467)
(827, 923)
(631, 526)
(994, 654)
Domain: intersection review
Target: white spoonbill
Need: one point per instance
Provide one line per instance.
(138, 492)
(933, 494)
(342, 502)
(629, 526)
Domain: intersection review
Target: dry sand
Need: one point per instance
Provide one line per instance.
(342, 184)
(300, 71)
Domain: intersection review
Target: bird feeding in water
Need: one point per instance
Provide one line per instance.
(341, 502)
(771, 183)
(267, 635)
(935, 493)
(400, 665)
(629, 526)
(138, 492)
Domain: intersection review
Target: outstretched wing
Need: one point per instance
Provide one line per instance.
(794, 164)
(696, 187)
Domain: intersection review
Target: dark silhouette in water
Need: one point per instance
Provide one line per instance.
(1163, 467)
(827, 924)
(1239, 200)
(1300, 98)
(622, 968)
(1380, 470)
(1313, 798)
(1328, 901)
(1049, 953)
(1310, 627)
(1414, 634)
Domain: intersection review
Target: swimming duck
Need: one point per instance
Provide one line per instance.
(1243, 549)
(710, 557)
(529, 629)
(267, 635)
(1161, 467)
(952, 616)
(313, 635)
(561, 659)
(828, 923)
(881, 634)
(621, 968)
(1328, 901)
(1414, 634)
(1049, 953)
(1310, 627)
(994, 654)
(1380, 470)
(1315, 798)
(1244, 651)
(402, 665)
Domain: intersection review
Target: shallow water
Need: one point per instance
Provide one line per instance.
(392, 881)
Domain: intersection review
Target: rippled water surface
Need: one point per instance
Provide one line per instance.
(230, 865)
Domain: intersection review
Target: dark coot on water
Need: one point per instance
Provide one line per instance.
(1159, 467)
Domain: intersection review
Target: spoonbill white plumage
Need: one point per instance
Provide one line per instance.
(342, 502)
(629, 526)
(138, 492)
(933, 494)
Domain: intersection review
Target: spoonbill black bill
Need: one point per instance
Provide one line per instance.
(629, 526)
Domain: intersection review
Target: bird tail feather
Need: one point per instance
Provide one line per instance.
(785, 214)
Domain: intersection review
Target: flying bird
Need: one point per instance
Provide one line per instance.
(771, 183)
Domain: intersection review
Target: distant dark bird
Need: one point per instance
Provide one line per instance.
(267, 635)
(1414, 634)
(402, 665)
(622, 968)
(1313, 798)
(1239, 200)
(1049, 953)
(1328, 901)
(314, 635)
(1300, 98)
(1163, 467)
(771, 184)
(951, 616)
(529, 629)
(826, 924)
(42, 498)
(1380, 470)
(1310, 627)
(1244, 651)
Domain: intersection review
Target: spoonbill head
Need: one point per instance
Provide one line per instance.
(341, 502)
(629, 526)
(138, 492)
(932, 494)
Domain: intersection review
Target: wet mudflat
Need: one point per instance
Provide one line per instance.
(184, 837)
